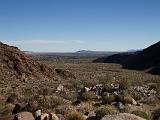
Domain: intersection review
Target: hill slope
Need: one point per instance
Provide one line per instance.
(14, 64)
(148, 59)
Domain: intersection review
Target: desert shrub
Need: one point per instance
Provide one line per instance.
(43, 91)
(106, 80)
(74, 115)
(140, 114)
(136, 95)
(107, 87)
(49, 102)
(124, 84)
(119, 98)
(77, 84)
(55, 101)
(88, 96)
(128, 100)
(108, 99)
(106, 110)
(6, 109)
(85, 107)
(68, 95)
(64, 109)
(156, 114)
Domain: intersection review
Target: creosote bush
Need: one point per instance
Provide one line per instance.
(49, 102)
(88, 96)
(74, 115)
(124, 84)
(106, 110)
(108, 99)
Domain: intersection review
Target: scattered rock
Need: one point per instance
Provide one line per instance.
(60, 88)
(120, 106)
(37, 115)
(53, 116)
(24, 116)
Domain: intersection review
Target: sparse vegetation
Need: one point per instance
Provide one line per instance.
(116, 88)
(88, 96)
(141, 114)
(106, 110)
(74, 115)
(108, 99)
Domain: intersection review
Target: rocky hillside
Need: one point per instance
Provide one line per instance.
(116, 58)
(14, 64)
(148, 59)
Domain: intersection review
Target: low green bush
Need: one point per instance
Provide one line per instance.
(74, 115)
(88, 96)
(108, 99)
(106, 110)
(140, 114)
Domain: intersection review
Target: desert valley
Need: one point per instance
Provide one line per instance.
(79, 86)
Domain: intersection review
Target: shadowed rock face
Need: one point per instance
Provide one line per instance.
(148, 59)
(15, 64)
(117, 58)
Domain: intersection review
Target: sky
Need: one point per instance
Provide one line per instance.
(72, 25)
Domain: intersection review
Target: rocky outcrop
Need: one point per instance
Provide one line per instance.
(24, 116)
(15, 64)
(122, 116)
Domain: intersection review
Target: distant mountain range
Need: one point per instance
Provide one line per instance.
(147, 59)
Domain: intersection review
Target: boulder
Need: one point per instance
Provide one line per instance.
(122, 116)
(37, 114)
(60, 88)
(44, 116)
(24, 116)
(53, 116)
(120, 106)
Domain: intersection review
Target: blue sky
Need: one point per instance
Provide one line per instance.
(71, 25)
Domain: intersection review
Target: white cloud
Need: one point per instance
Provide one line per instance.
(46, 45)
(14, 42)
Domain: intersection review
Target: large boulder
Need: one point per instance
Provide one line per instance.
(122, 116)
